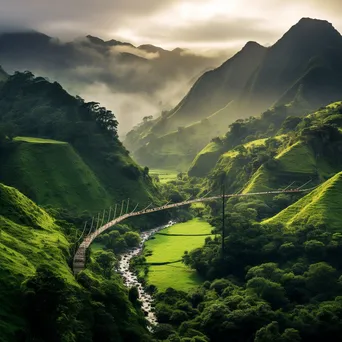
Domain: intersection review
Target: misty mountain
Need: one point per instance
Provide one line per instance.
(304, 68)
(308, 58)
(111, 72)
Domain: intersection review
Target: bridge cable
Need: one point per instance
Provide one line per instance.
(207, 194)
(239, 191)
(97, 221)
(116, 206)
(85, 226)
(148, 206)
(104, 211)
(122, 204)
(134, 209)
(110, 209)
(92, 222)
(287, 186)
(304, 184)
(127, 206)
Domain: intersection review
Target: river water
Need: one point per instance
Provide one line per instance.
(130, 279)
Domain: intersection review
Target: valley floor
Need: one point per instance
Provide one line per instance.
(164, 175)
(168, 247)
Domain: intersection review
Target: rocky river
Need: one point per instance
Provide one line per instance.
(130, 279)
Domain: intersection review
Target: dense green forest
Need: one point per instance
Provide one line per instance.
(278, 275)
(90, 172)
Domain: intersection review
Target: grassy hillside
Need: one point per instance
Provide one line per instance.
(52, 173)
(29, 238)
(294, 163)
(40, 298)
(204, 160)
(320, 207)
(88, 172)
(300, 149)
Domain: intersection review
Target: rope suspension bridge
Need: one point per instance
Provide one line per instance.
(96, 229)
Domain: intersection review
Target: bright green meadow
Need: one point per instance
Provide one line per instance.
(169, 248)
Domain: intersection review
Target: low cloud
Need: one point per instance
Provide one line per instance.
(132, 82)
(137, 52)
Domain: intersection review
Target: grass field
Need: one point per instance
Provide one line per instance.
(321, 206)
(53, 173)
(38, 140)
(164, 175)
(170, 249)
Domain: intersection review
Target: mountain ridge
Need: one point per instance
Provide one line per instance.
(303, 68)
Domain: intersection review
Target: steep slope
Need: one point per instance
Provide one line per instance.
(204, 160)
(52, 173)
(320, 207)
(38, 108)
(298, 150)
(40, 298)
(295, 163)
(307, 59)
(3, 75)
(29, 238)
(242, 132)
(303, 68)
(216, 88)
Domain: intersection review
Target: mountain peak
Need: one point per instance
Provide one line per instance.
(312, 23)
(112, 42)
(95, 40)
(310, 35)
(315, 28)
(252, 45)
(151, 48)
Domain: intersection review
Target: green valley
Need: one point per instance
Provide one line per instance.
(100, 244)
(165, 251)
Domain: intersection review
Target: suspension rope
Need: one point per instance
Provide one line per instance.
(85, 225)
(288, 186)
(110, 209)
(134, 209)
(304, 184)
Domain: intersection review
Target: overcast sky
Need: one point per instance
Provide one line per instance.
(195, 24)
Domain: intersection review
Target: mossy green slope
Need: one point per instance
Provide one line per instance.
(322, 206)
(52, 173)
(296, 163)
(204, 160)
(29, 238)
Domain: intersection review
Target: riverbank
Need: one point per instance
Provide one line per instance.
(131, 280)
